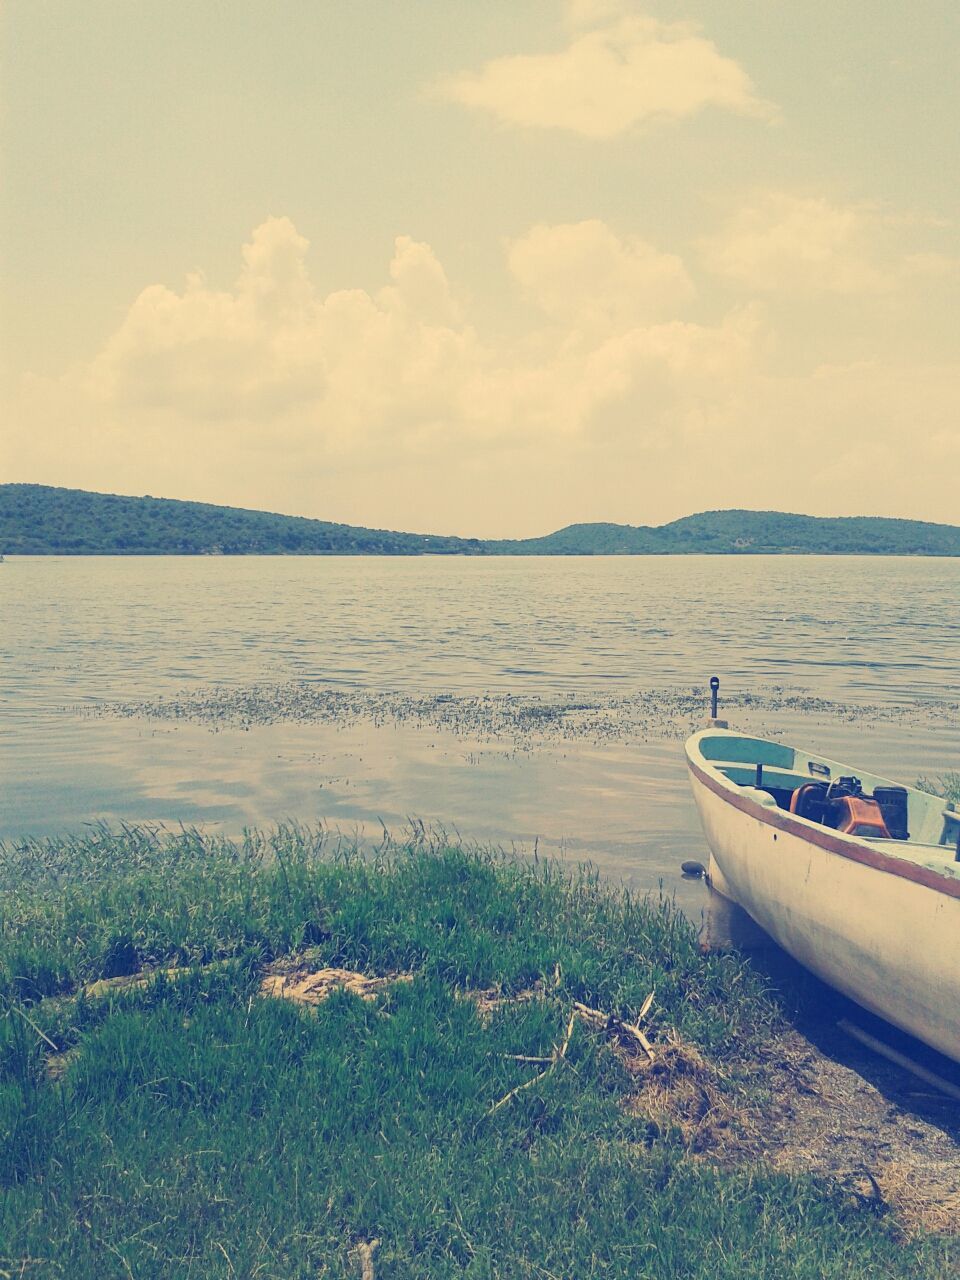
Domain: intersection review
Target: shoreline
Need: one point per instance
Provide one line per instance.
(599, 780)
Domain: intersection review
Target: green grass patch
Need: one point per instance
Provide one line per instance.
(195, 1128)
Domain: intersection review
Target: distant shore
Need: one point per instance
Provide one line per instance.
(44, 520)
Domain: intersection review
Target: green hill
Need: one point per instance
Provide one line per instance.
(42, 520)
(748, 532)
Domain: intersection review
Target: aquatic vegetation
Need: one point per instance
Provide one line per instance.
(945, 784)
(529, 719)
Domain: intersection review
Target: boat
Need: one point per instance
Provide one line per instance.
(855, 876)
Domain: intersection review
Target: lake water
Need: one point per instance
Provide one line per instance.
(421, 650)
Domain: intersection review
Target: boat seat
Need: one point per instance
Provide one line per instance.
(934, 856)
(951, 827)
(761, 797)
(734, 750)
(745, 775)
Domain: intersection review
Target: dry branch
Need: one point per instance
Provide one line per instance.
(558, 1054)
(610, 1023)
(595, 1019)
(365, 1251)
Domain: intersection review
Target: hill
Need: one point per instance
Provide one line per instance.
(748, 532)
(43, 520)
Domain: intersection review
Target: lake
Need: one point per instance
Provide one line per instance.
(519, 701)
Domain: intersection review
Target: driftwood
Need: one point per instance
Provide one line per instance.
(615, 1026)
(559, 1053)
(314, 988)
(597, 1021)
(135, 981)
(365, 1251)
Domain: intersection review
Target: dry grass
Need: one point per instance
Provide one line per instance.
(305, 987)
(801, 1111)
(920, 1193)
(680, 1090)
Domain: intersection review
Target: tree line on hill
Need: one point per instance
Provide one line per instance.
(44, 520)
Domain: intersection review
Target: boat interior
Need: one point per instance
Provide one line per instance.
(925, 827)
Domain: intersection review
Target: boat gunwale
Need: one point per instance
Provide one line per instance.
(833, 842)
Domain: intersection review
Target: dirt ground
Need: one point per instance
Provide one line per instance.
(868, 1125)
(817, 1101)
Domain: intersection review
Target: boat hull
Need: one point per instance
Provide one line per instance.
(877, 931)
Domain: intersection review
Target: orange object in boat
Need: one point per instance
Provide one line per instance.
(817, 789)
(859, 816)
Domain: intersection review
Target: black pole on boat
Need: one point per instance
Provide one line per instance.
(713, 722)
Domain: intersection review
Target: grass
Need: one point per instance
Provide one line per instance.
(195, 1129)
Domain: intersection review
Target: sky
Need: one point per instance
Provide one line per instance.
(484, 268)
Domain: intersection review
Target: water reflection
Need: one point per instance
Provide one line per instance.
(623, 806)
(89, 629)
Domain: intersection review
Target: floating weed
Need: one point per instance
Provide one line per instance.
(946, 785)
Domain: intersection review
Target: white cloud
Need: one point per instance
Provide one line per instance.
(624, 70)
(401, 368)
(584, 274)
(271, 346)
(274, 276)
(420, 285)
(389, 408)
(216, 353)
(269, 377)
(808, 245)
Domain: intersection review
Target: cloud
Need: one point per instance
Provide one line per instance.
(623, 70)
(274, 276)
(217, 353)
(420, 286)
(401, 368)
(389, 407)
(271, 346)
(269, 378)
(808, 245)
(584, 274)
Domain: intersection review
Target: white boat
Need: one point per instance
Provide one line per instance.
(856, 877)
